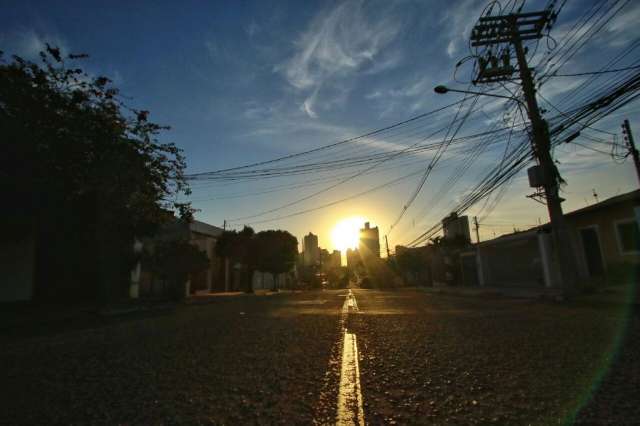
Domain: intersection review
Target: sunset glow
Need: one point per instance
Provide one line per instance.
(346, 233)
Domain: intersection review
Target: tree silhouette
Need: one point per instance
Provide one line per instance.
(275, 252)
(83, 172)
(238, 246)
(175, 262)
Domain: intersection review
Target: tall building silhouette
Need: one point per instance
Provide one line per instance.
(369, 244)
(311, 251)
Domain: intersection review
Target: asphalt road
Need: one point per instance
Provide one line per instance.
(433, 359)
(423, 359)
(238, 360)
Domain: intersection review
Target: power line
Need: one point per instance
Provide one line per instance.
(595, 72)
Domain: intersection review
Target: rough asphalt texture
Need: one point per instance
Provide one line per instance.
(456, 360)
(424, 359)
(241, 360)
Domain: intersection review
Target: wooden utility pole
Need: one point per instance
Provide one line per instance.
(512, 30)
(475, 221)
(628, 137)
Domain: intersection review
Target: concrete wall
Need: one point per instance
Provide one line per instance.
(512, 261)
(605, 221)
(17, 269)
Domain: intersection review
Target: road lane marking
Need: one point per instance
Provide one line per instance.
(350, 408)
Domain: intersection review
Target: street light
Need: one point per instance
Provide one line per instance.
(441, 90)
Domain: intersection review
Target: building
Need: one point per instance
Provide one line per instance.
(336, 259)
(605, 238)
(310, 250)
(19, 267)
(353, 259)
(331, 261)
(369, 245)
(200, 234)
(607, 234)
(454, 226)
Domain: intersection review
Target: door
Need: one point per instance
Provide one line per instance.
(593, 255)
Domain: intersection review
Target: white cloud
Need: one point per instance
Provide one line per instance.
(338, 43)
(459, 19)
(307, 106)
(451, 48)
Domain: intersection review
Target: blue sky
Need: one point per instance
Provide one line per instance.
(241, 82)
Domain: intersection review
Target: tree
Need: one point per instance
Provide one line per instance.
(275, 252)
(176, 262)
(413, 261)
(85, 172)
(238, 246)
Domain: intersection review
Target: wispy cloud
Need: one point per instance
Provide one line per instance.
(338, 43)
(458, 21)
(28, 43)
(410, 95)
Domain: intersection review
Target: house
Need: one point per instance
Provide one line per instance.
(200, 234)
(521, 259)
(605, 238)
(607, 234)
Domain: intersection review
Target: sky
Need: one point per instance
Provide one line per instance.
(242, 82)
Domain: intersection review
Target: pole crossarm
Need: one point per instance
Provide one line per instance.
(501, 29)
(504, 29)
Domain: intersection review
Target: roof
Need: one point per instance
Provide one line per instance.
(622, 198)
(205, 228)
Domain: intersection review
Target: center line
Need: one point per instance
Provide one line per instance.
(350, 409)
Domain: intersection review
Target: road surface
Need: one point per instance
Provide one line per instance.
(396, 357)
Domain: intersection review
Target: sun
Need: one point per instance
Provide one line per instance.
(346, 233)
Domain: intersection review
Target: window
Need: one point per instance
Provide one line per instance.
(628, 236)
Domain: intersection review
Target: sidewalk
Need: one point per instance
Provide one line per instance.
(17, 317)
(610, 295)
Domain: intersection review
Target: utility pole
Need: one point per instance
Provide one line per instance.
(224, 225)
(475, 221)
(386, 243)
(628, 137)
(512, 30)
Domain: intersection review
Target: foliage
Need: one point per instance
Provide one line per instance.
(275, 251)
(235, 245)
(75, 160)
(176, 262)
(238, 246)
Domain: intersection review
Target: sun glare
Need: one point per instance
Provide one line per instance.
(346, 233)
